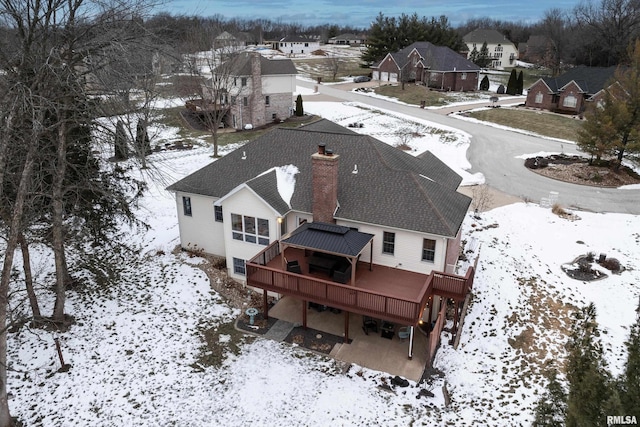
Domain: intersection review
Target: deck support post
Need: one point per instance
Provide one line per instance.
(455, 320)
(305, 303)
(410, 342)
(346, 326)
(265, 305)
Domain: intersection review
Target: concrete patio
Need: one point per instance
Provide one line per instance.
(371, 351)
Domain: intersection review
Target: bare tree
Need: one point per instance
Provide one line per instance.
(222, 83)
(48, 172)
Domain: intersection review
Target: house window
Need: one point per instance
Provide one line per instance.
(388, 242)
(570, 101)
(243, 81)
(539, 98)
(239, 266)
(217, 211)
(267, 100)
(186, 205)
(235, 81)
(245, 101)
(464, 76)
(250, 229)
(428, 250)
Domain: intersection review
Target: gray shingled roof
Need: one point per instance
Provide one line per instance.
(591, 80)
(392, 188)
(482, 35)
(436, 58)
(269, 67)
(330, 238)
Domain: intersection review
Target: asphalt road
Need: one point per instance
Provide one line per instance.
(493, 152)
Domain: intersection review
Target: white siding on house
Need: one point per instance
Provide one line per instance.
(245, 202)
(408, 249)
(279, 84)
(200, 230)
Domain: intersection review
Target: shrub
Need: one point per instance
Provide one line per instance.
(611, 264)
(559, 210)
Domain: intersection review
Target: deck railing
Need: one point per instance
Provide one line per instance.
(349, 298)
(452, 286)
(344, 297)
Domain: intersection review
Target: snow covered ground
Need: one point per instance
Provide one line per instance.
(134, 350)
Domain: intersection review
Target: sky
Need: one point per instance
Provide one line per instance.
(360, 13)
(133, 348)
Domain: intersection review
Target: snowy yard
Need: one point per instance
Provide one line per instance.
(134, 348)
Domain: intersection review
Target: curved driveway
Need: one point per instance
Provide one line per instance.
(493, 152)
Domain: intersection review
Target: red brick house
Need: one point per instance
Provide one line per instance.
(569, 92)
(434, 66)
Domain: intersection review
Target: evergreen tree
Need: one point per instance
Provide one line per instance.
(630, 380)
(473, 56)
(552, 406)
(143, 144)
(299, 109)
(591, 396)
(483, 57)
(512, 84)
(484, 83)
(520, 83)
(388, 35)
(120, 142)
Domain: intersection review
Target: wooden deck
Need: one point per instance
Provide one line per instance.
(382, 292)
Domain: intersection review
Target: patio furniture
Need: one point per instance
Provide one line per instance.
(388, 330)
(342, 272)
(322, 263)
(294, 267)
(404, 333)
(369, 324)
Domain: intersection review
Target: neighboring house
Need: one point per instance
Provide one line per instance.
(261, 91)
(347, 39)
(569, 92)
(228, 41)
(502, 51)
(318, 208)
(437, 67)
(295, 45)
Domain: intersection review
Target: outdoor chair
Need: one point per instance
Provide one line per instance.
(294, 267)
(369, 324)
(403, 333)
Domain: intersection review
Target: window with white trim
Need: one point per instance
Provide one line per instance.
(243, 81)
(388, 242)
(428, 250)
(539, 97)
(250, 229)
(239, 266)
(186, 205)
(570, 101)
(217, 211)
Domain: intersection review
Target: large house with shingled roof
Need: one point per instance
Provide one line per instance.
(437, 67)
(333, 217)
(502, 51)
(570, 92)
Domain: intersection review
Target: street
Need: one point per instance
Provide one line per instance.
(494, 151)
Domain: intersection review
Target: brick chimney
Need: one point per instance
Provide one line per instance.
(257, 106)
(324, 165)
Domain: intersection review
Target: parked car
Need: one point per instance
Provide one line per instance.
(361, 79)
